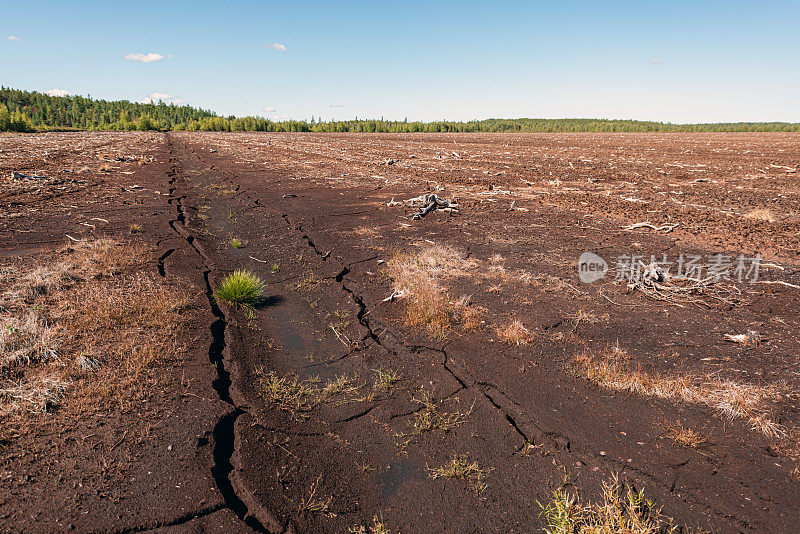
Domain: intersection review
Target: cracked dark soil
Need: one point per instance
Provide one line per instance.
(313, 212)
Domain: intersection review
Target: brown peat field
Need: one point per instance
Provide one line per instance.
(453, 372)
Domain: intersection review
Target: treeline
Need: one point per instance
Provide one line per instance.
(30, 111)
(43, 112)
(545, 126)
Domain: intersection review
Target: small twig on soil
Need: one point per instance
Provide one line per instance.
(118, 443)
(345, 343)
(397, 294)
(256, 259)
(787, 284)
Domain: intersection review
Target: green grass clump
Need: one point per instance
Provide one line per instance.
(238, 243)
(240, 287)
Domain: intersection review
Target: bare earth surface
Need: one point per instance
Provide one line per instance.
(213, 451)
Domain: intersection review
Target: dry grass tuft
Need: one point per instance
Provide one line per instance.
(36, 282)
(466, 313)
(421, 278)
(27, 340)
(731, 399)
(384, 382)
(514, 333)
(622, 510)
(312, 503)
(762, 214)
(307, 283)
(461, 467)
(685, 436)
(300, 397)
(581, 316)
(376, 527)
(430, 418)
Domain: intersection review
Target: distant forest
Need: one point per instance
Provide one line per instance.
(30, 111)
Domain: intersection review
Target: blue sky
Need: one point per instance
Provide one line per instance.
(675, 61)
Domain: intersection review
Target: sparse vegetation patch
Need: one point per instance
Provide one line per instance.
(429, 418)
(762, 214)
(384, 382)
(462, 467)
(376, 527)
(300, 397)
(238, 243)
(514, 333)
(685, 435)
(89, 313)
(622, 510)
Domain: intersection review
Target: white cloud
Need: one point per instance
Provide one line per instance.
(153, 98)
(276, 46)
(144, 58)
(58, 92)
(13, 38)
(655, 61)
(269, 109)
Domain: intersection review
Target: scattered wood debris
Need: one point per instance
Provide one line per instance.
(750, 338)
(432, 201)
(427, 203)
(658, 284)
(666, 228)
(778, 282)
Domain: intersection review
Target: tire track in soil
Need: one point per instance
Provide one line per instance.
(224, 430)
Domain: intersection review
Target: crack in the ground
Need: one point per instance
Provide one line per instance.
(183, 519)
(561, 442)
(358, 415)
(224, 429)
(161, 270)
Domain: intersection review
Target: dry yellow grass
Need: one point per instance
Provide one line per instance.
(421, 277)
(461, 467)
(622, 510)
(385, 380)
(731, 399)
(584, 317)
(762, 214)
(376, 527)
(685, 435)
(87, 323)
(514, 333)
(300, 397)
(312, 503)
(429, 418)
